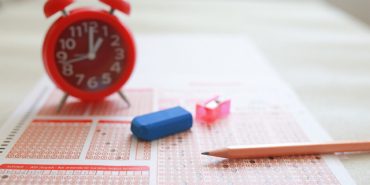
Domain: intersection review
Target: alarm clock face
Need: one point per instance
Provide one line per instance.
(89, 54)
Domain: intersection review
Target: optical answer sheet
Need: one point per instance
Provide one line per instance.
(91, 143)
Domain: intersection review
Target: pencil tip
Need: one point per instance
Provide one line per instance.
(205, 153)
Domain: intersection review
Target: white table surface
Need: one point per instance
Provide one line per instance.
(323, 53)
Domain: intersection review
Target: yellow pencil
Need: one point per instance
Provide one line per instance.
(258, 151)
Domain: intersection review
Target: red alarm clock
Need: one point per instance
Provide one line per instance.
(87, 52)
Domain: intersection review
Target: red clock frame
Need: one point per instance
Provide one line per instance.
(60, 25)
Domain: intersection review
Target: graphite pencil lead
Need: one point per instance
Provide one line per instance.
(205, 153)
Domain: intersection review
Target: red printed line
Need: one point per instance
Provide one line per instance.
(72, 167)
(114, 122)
(60, 121)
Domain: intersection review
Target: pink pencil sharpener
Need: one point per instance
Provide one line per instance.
(213, 109)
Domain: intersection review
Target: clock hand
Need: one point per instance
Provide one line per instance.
(91, 40)
(83, 57)
(97, 45)
(92, 54)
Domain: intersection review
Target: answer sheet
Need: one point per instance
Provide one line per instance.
(91, 143)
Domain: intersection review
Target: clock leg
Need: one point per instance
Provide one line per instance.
(62, 102)
(125, 99)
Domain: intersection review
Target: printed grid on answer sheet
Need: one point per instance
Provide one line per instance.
(112, 141)
(51, 139)
(178, 159)
(73, 174)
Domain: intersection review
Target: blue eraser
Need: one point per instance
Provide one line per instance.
(162, 123)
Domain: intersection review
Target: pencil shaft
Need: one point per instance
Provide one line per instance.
(258, 151)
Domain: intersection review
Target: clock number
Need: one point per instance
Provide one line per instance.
(116, 67)
(80, 78)
(115, 40)
(67, 70)
(76, 31)
(62, 55)
(105, 31)
(94, 25)
(106, 78)
(69, 44)
(87, 25)
(92, 82)
(120, 54)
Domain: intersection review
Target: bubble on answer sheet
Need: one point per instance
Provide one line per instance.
(112, 142)
(261, 125)
(52, 139)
